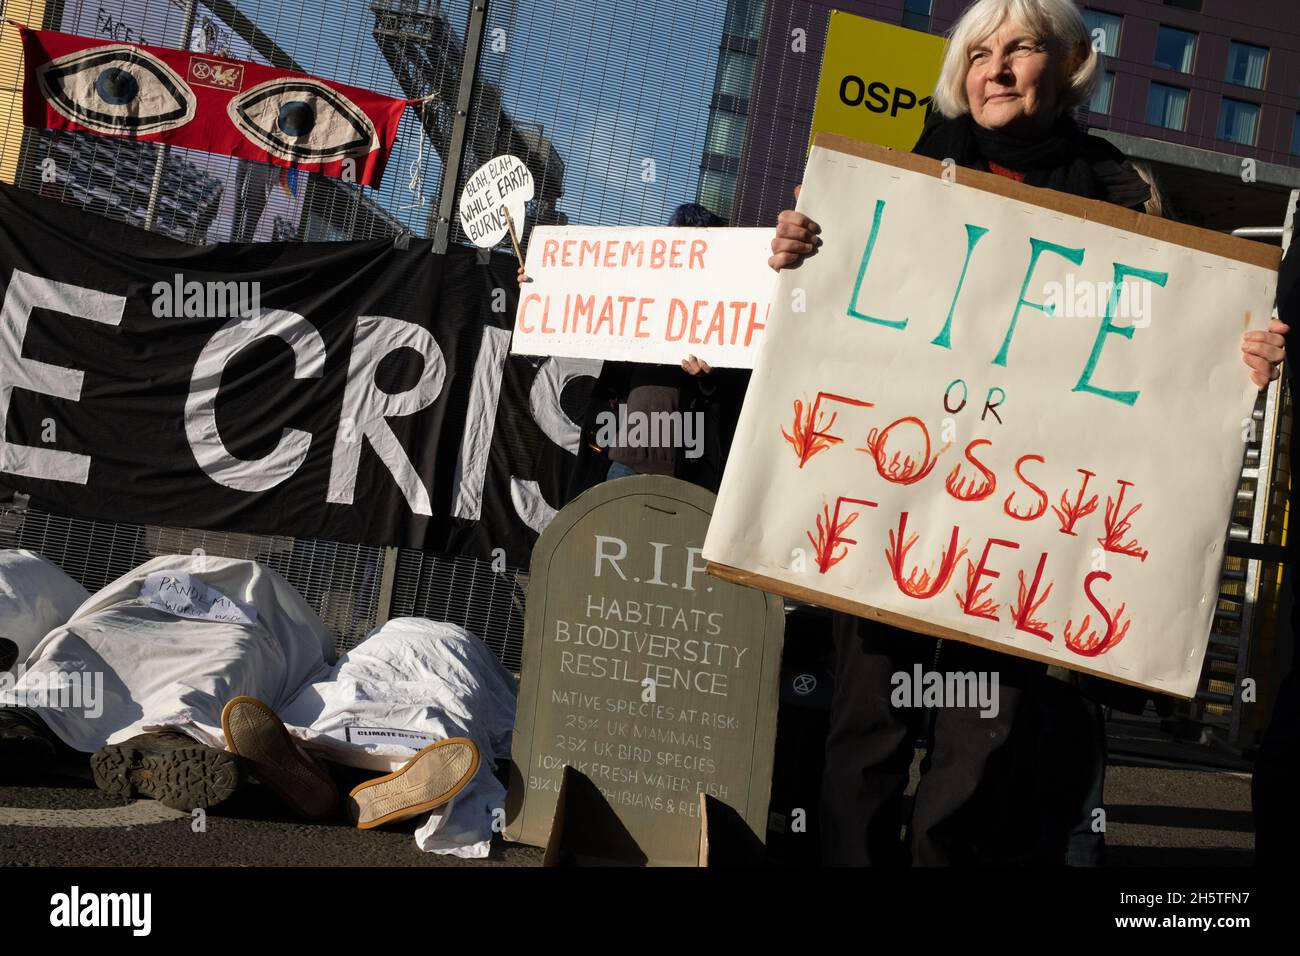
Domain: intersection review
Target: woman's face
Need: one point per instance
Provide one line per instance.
(1013, 82)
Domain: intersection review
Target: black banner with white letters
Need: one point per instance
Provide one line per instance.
(350, 391)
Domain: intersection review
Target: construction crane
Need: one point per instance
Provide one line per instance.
(426, 56)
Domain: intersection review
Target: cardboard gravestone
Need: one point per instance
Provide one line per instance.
(650, 680)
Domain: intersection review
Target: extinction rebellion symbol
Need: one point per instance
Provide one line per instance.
(216, 74)
(804, 684)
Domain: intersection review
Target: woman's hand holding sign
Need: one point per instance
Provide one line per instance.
(796, 237)
(1264, 351)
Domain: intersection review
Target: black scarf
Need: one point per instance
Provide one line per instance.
(1063, 159)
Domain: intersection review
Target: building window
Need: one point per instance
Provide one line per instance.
(1237, 121)
(726, 134)
(1100, 102)
(1108, 24)
(745, 18)
(1166, 106)
(916, 14)
(1295, 136)
(1174, 49)
(1246, 64)
(716, 192)
(735, 73)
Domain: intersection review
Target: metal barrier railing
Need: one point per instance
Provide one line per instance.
(353, 587)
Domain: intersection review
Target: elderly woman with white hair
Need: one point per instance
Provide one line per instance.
(1012, 72)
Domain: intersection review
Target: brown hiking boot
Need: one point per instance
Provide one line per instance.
(427, 781)
(256, 734)
(27, 747)
(167, 766)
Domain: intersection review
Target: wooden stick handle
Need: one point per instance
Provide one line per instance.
(514, 239)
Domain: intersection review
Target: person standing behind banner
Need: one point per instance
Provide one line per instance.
(1012, 71)
(694, 388)
(652, 390)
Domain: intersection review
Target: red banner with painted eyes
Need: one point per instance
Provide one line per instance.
(207, 102)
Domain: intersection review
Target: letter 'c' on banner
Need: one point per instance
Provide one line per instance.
(259, 474)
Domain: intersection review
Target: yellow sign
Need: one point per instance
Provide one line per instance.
(876, 81)
(11, 83)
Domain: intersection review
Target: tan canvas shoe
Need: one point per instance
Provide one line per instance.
(256, 734)
(427, 781)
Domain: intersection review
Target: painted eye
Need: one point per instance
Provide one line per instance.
(301, 120)
(117, 90)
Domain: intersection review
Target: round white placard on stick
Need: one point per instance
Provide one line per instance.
(493, 198)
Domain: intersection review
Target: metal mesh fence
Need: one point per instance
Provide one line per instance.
(353, 588)
(467, 591)
(607, 103)
(340, 582)
(780, 119)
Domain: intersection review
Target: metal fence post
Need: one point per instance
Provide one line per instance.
(440, 218)
(160, 163)
(387, 578)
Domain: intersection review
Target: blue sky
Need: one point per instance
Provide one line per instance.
(612, 82)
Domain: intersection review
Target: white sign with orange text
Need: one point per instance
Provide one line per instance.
(645, 294)
(941, 442)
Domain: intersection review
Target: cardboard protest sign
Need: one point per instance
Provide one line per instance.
(651, 681)
(1005, 415)
(645, 294)
(494, 198)
(876, 81)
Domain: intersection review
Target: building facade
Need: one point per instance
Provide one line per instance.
(1193, 86)
(724, 138)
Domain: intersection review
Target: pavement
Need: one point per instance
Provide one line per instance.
(1156, 816)
(1171, 817)
(66, 821)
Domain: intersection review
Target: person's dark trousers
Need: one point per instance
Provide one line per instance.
(1060, 739)
(871, 743)
(1275, 784)
(1087, 846)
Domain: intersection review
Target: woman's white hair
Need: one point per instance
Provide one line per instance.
(1056, 23)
